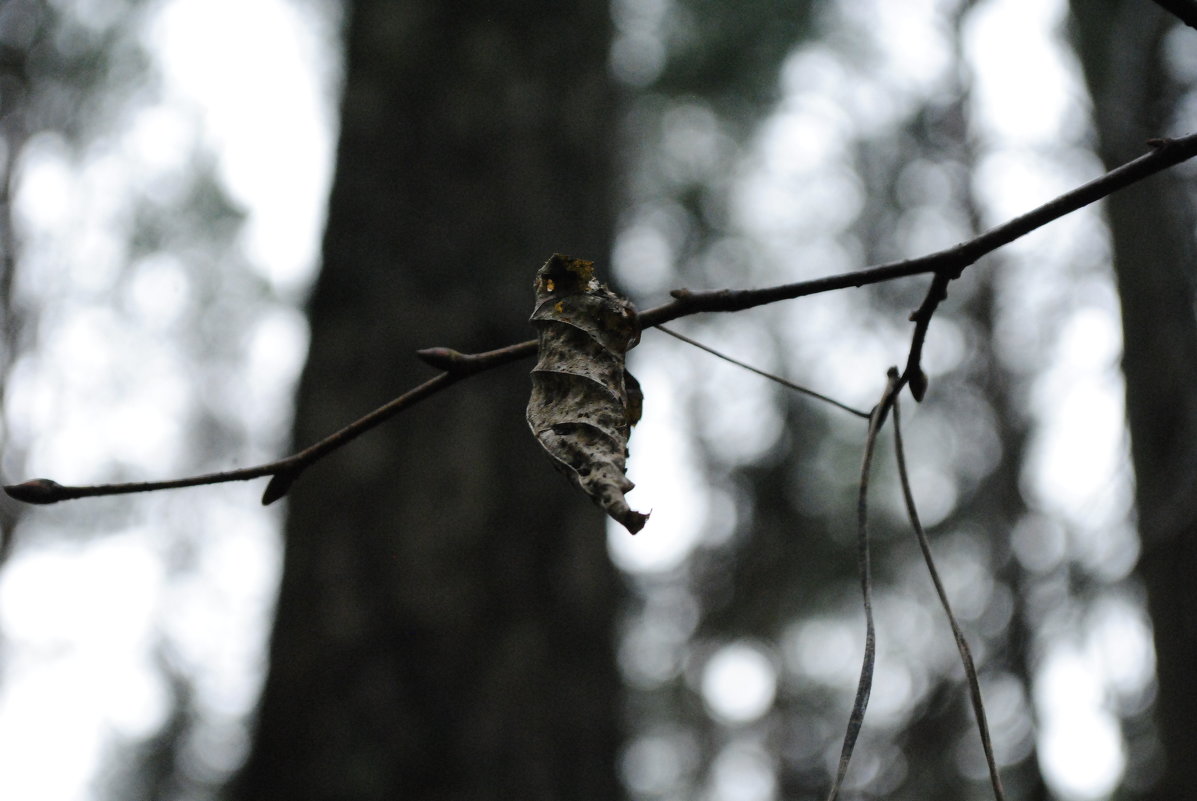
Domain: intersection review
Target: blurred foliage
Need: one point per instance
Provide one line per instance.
(774, 574)
(152, 252)
(781, 577)
(61, 64)
(729, 53)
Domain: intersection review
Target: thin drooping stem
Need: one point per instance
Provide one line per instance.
(945, 265)
(775, 378)
(966, 656)
(865, 685)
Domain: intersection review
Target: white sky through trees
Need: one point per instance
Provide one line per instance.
(84, 614)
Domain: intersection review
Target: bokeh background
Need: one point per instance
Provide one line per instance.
(201, 197)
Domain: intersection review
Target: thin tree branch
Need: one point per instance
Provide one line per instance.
(921, 317)
(284, 471)
(1165, 153)
(946, 264)
(776, 378)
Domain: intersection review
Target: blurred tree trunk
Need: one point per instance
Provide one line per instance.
(1151, 226)
(446, 619)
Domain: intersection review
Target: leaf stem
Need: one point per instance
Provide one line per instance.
(966, 657)
(864, 687)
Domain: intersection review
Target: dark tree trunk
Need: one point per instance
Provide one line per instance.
(1151, 227)
(446, 619)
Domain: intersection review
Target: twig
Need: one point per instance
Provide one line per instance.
(921, 317)
(950, 261)
(778, 379)
(865, 686)
(966, 657)
(945, 264)
(284, 471)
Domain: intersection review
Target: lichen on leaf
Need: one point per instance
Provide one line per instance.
(584, 402)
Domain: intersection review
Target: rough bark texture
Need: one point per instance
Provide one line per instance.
(445, 623)
(1152, 226)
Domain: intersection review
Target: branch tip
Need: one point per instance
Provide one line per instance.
(918, 384)
(41, 491)
(279, 486)
(447, 359)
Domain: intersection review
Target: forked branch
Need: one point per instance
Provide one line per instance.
(946, 265)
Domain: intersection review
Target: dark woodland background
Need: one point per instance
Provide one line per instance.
(449, 623)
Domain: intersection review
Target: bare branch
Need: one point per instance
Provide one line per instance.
(463, 364)
(945, 264)
(284, 471)
(921, 317)
(951, 261)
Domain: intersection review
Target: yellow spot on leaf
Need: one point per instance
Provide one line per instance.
(581, 268)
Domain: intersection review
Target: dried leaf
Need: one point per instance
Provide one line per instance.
(583, 400)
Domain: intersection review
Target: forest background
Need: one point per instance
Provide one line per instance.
(450, 621)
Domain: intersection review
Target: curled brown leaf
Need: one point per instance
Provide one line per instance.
(584, 401)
